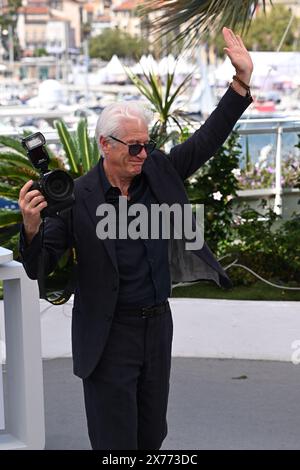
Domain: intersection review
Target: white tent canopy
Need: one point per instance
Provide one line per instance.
(113, 71)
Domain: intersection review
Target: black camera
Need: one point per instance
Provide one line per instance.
(56, 186)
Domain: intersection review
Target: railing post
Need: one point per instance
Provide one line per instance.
(278, 187)
(24, 404)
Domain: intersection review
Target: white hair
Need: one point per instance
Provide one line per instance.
(111, 118)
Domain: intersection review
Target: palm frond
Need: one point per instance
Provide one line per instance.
(95, 152)
(12, 143)
(9, 217)
(161, 98)
(56, 162)
(140, 84)
(68, 145)
(10, 192)
(156, 91)
(84, 145)
(21, 173)
(179, 90)
(192, 18)
(14, 159)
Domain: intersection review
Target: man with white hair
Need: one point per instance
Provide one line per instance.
(122, 325)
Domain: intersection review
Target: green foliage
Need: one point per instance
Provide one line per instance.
(13, 144)
(9, 190)
(263, 243)
(196, 17)
(81, 152)
(161, 97)
(267, 245)
(266, 30)
(260, 176)
(8, 15)
(215, 186)
(8, 19)
(9, 217)
(256, 291)
(114, 41)
(40, 52)
(69, 146)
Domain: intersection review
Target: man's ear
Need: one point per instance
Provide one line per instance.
(104, 142)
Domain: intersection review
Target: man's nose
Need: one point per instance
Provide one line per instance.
(143, 153)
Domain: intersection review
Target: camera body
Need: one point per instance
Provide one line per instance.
(56, 185)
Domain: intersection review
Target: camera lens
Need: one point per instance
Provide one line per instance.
(58, 185)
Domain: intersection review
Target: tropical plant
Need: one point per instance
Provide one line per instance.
(267, 245)
(215, 185)
(193, 18)
(162, 98)
(80, 154)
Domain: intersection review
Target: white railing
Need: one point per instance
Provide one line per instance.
(280, 126)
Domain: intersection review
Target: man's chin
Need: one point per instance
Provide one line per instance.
(136, 169)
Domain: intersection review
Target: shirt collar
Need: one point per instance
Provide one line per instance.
(106, 184)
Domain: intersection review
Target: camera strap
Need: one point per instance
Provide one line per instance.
(57, 297)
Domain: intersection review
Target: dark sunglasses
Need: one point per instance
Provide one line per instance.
(135, 149)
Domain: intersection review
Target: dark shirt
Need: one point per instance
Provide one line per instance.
(143, 263)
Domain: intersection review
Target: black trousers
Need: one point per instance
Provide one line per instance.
(126, 396)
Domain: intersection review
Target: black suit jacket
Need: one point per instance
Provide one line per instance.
(97, 285)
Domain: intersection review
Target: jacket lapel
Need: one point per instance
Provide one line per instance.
(93, 197)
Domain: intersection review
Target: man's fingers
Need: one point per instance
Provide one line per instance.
(240, 41)
(32, 211)
(32, 194)
(228, 51)
(37, 209)
(25, 188)
(229, 36)
(35, 201)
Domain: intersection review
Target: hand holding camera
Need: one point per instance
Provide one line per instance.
(31, 204)
(50, 194)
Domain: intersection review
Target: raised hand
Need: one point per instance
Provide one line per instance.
(238, 55)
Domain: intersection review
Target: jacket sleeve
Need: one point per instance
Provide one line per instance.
(204, 143)
(56, 239)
